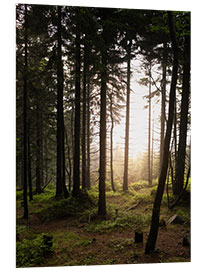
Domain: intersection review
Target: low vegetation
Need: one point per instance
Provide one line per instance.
(79, 234)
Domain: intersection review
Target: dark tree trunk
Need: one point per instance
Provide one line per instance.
(163, 106)
(152, 152)
(25, 203)
(149, 131)
(88, 135)
(69, 162)
(60, 182)
(76, 164)
(41, 148)
(38, 150)
(84, 114)
(180, 164)
(102, 159)
(111, 142)
(152, 237)
(46, 159)
(125, 177)
(29, 164)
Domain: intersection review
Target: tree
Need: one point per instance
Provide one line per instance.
(180, 161)
(84, 113)
(151, 240)
(76, 162)
(60, 183)
(111, 142)
(25, 203)
(125, 177)
(149, 129)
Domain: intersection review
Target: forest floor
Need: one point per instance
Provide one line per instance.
(81, 238)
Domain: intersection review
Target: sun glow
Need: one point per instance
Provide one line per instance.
(138, 129)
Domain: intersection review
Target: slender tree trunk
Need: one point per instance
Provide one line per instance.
(46, 159)
(88, 135)
(76, 164)
(125, 177)
(69, 162)
(38, 150)
(152, 237)
(29, 164)
(41, 148)
(163, 106)
(25, 123)
(152, 152)
(84, 114)
(180, 165)
(60, 183)
(65, 191)
(102, 159)
(149, 130)
(111, 142)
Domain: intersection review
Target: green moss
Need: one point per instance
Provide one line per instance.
(31, 252)
(62, 208)
(126, 221)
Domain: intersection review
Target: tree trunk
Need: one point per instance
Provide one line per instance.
(76, 164)
(102, 159)
(29, 164)
(151, 241)
(180, 165)
(60, 183)
(38, 149)
(84, 109)
(152, 152)
(125, 177)
(25, 123)
(111, 142)
(88, 135)
(149, 130)
(163, 106)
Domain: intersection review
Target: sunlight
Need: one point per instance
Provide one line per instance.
(138, 133)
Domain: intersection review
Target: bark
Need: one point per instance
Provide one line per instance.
(84, 109)
(102, 158)
(88, 135)
(163, 106)
(76, 163)
(111, 143)
(29, 165)
(69, 171)
(180, 164)
(38, 150)
(152, 237)
(149, 131)
(60, 182)
(125, 177)
(25, 123)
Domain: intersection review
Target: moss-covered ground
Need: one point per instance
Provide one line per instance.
(80, 237)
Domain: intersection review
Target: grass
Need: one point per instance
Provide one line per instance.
(126, 211)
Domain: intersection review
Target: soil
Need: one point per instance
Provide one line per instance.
(115, 247)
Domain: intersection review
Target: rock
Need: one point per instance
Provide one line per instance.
(186, 240)
(175, 219)
(138, 237)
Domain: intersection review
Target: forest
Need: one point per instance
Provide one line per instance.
(103, 136)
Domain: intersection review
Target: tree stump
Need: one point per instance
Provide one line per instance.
(48, 243)
(138, 237)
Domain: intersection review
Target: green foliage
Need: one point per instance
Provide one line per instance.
(71, 206)
(19, 195)
(126, 221)
(31, 252)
